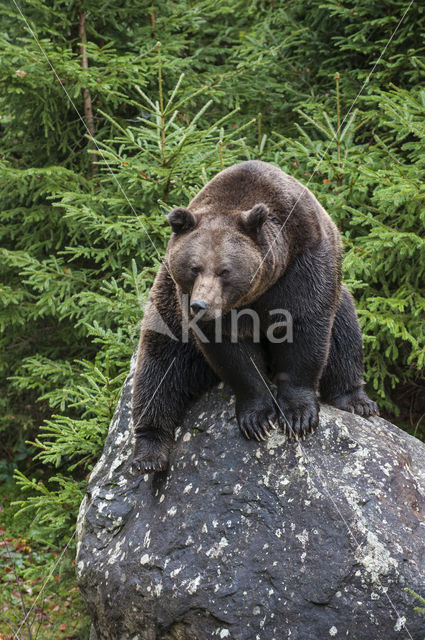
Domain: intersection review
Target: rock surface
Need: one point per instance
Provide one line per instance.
(256, 541)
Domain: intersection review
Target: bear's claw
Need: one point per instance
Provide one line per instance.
(257, 424)
(356, 402)
(298, 423)
(150, 455)
(148, 466)
(365, 409)
(299, 415)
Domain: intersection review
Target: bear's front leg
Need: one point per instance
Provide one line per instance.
(154, 410)
(241, 366)
(299, 409)
(150, 453)
(170, 374)
(297, 366)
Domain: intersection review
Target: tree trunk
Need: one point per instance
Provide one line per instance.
(88, 110)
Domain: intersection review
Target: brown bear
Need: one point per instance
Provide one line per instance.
(254, 242)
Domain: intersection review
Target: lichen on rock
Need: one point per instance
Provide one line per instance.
(248, 540)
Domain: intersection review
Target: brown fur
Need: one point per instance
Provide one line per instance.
(253, 238)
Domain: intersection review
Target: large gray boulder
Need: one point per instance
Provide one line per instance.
(250, 541)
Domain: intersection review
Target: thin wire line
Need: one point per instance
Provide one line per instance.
(153, 244)
(293, 432)
(87, 129)
(24, 608)
(359, 545)
(85, 513)
(304, 189)
(145, 230)
(6, 620)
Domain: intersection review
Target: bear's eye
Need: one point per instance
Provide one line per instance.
(224, 274)
(195, 270)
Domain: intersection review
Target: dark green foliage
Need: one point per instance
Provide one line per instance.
(83, 228)
(375, 193)
(419, 598)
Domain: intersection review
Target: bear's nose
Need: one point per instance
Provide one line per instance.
(198, 305)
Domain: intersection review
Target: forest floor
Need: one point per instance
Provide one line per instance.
(53, 607)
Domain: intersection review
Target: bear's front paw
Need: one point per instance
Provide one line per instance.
(299, 411)
(149, 456)
(356, 402)
(256, 417)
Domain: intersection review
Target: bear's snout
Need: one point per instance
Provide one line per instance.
(207, 297)
(199, 305)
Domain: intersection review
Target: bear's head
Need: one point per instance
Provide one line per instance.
(217, 259)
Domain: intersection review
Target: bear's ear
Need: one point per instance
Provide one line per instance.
(181, 219)
(253, 220)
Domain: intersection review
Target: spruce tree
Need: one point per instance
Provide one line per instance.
(168, 94)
